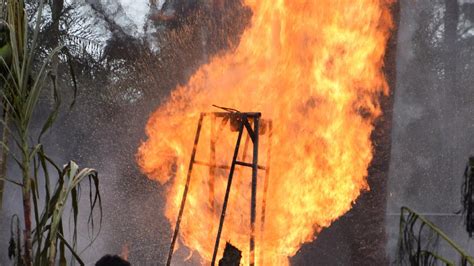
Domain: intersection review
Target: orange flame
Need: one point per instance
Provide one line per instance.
(315, 69)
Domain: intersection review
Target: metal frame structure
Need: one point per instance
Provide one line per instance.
(239, 121)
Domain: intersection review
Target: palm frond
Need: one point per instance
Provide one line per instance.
(419, 240)
(49, 231)
(44, 244)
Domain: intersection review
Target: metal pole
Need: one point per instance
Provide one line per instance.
(185, 192)
(246, 144)
(265, 185)
(212, 160)
(227, 192)
(253, 203)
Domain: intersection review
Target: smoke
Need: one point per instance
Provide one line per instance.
(103, 135)
(431, 140)
(432, 122)
(106, 125)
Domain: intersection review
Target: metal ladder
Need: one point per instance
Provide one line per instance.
(238, 122)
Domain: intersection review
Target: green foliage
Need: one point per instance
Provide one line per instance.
(21, 89)
(419, 239)
(49, 229)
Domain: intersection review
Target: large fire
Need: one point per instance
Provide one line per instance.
(315, 69)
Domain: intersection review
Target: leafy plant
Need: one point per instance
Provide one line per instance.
(419, 240)
(43, 238)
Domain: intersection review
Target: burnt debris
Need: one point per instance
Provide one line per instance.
(232, 256)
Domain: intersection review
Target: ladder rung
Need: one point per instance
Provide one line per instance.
(249, 165)
(210, 165)
(228, 167)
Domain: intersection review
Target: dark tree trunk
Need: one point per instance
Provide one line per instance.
(26, 191)
(56, 8)
(451, 19)
(451, 92)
